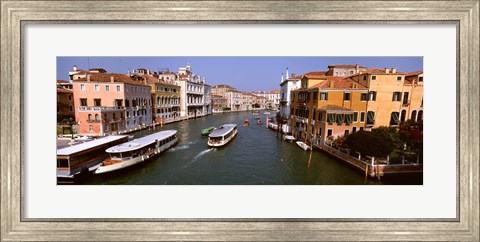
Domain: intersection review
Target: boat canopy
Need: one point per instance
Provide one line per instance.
(222, 130)
(141, 142)
(88, 145)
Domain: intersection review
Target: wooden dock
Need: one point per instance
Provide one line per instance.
(372, 168)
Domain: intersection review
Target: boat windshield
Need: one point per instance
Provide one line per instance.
(215, 139)
(119, 156)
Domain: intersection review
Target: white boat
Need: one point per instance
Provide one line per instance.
(266, 113)
(289, 138)
(303, 145)
(222, 135)
(137, 151)
(273, 126)
(217, 111)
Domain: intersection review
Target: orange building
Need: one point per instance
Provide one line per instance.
(331, 106)
(327, 106)
(108, 103)
(64, 104)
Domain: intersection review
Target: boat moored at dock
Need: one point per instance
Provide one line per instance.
(137, 151)
(222, 135)
(303, 145)
(83, 157)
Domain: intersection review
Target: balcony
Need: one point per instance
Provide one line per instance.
(405, 104)
(100, 108)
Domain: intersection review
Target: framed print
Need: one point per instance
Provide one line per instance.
(162, 68)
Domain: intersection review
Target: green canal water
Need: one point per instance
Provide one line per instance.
(257, 156)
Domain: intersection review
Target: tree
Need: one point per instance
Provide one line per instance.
(376, 143)
(411, 133)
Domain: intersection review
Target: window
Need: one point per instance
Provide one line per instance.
(364, 78)
(82, 87)
(315, 96)
(70, 97)
(370, 117)
(347, 132)
(414, 115)
(118, 88)
(361, 128)
(346, 96)
(127, 103)
(329, 133)
(396, 97)
(354, 129)
(364, 97)
(405, 98)
(323, 96)
(348, 118)
(90, 128)
(374, 78)
(399, 78)
(107, 88)
(97, 118)
(97, 102)
(339, 118)
(89, 117)
(83, 102)
(362, 117)
(394, 118)
(373, 96)
(355, 117)
(97, 87)
(71, 108)
(320, 116)
(330, 118)
(420, 79)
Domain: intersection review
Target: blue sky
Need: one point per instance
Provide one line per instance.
(244, 73)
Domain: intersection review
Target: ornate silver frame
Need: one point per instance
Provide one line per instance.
(465, 14)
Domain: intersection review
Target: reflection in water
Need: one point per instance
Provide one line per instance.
(256, 156)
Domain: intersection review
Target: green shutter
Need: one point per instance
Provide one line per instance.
(331, 118)
(339, 118)
(370, 116)
(348, 118)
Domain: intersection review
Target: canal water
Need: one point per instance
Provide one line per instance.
(257, 156)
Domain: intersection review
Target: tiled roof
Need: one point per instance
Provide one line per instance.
(63, 90)
(414, 73)
(345, 66)
(320, 73)
(62, 81)
(106, 77)
(337, 81)
(332, 107)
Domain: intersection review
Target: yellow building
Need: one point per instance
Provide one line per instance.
(327, 106)
(393, 96)
(332, 106)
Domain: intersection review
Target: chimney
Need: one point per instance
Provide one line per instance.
(331, 84)
(148, 72)
(293, 75)
(128, 73)
(88, 78)
(286, 75)
(387, 71)
(112, 79)
(394, 70)
(74, 67)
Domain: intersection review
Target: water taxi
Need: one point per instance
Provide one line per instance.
(303, 145)
(84, 157)
(137, 151)
(222, 135)
(207, 131)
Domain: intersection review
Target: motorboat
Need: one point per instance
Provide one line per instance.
(303, 145)
(207, 131)
(137, 151)
(222, 135)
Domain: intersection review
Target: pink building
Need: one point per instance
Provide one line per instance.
(108, 103)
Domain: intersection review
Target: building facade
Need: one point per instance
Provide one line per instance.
(109, 103)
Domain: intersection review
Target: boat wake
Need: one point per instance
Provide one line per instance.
(203, 153)
(178, 148)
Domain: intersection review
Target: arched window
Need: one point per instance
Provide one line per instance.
(403, 116)
(414, 115)
(97, 118)
(90, 128)
(420, 116)
(89, 117)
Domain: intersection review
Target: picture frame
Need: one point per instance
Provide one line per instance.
(15, 14)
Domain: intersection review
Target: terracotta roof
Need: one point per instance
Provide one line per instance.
(62, 81)
(320, 73)
(414, 73)
(332, 107)
(337, 81)
(222, 86)
(380, 71)
(106, 77)
(63, 90)
(345, 66)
